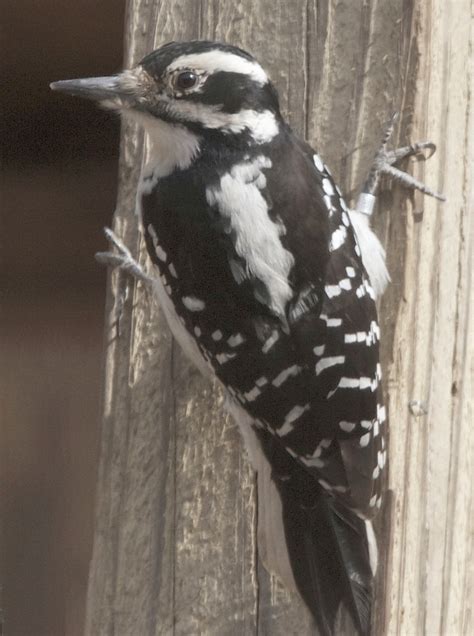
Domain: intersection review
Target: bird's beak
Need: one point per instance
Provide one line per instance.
(96, 88)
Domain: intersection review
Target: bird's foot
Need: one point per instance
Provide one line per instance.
(122, 259)
(385, 161)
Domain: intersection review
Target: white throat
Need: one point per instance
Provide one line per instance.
(170, 146)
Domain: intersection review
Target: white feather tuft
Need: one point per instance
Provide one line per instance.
(373, 551)
(272, 547)
(372, 252)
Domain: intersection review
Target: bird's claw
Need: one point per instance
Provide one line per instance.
(414, 150)
(385, 160)
(122, 258)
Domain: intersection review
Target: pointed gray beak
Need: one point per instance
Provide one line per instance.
(96, 88)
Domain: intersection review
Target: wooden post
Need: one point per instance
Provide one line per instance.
(175, 541)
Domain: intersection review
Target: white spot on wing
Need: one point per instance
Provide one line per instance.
(287, 373)
(337, 239)
(291, 417)
(330, 361)
(217, 335)
(222, 358)
(348, 427)
(368, 337)
(318, 163)
(325, 484)
(314, 460)
(381, 456)
(270, 341)
(355, 383)
(376, 428)
(368, 383)
(364, 440)
(159, 251)
(327, 187)
(331, 322)
(343, 204)
(193, 304)
(235, 340)
(252, 394)
(381, 414)
(332, 290)
(328, 203)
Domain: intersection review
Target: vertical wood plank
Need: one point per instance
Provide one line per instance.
(431, 571)
(175, 543)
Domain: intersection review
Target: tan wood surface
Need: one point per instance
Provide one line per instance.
(175, 542)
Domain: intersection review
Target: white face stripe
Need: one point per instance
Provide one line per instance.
(215, 61)
(261, 125)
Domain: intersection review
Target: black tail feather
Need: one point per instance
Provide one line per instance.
(329, 554)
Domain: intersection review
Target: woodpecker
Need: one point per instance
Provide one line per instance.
(269, 283)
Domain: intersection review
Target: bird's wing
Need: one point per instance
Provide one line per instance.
(267, 277)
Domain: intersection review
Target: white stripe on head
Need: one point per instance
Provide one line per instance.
(262, 126)
(217, 60)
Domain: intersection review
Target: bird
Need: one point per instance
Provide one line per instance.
(269, 282)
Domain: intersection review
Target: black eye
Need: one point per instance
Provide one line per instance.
(186, 80)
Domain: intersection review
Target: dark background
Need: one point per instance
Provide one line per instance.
(57, 191)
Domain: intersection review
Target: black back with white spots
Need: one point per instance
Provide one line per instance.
(258, 256)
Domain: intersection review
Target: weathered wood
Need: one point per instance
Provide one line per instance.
(175, 543)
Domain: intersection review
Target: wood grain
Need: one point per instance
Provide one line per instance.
(175, 544)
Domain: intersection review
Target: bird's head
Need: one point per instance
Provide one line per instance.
(206, 90)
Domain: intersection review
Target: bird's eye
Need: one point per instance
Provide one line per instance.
(186, 80)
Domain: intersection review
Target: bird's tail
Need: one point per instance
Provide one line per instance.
(314, 544)
(329, 553)
(322, 549)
